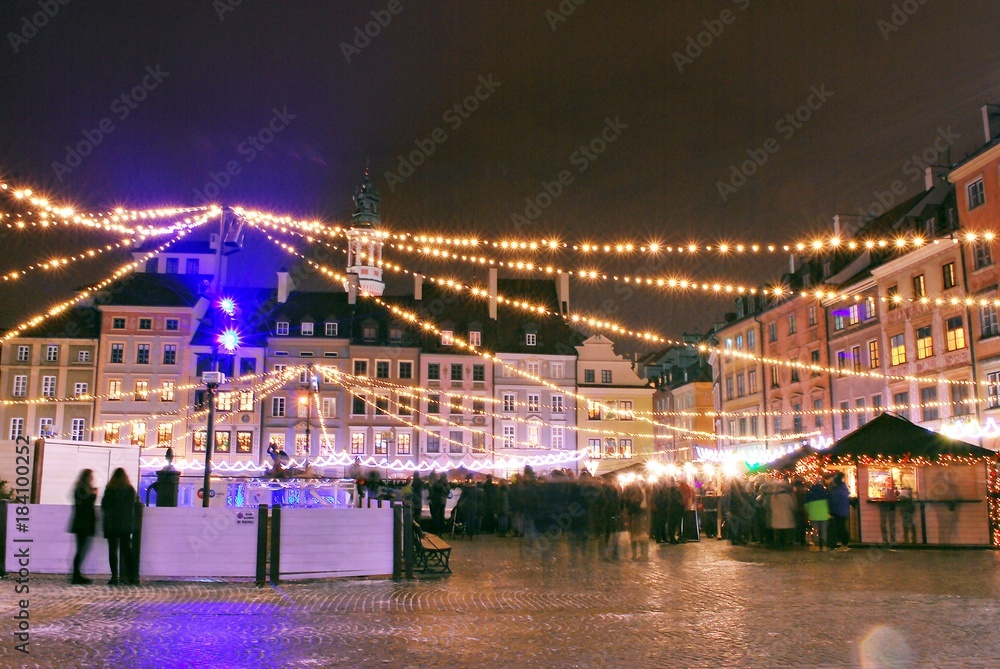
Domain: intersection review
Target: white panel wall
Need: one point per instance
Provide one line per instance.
(319, 543)
(217, 542)
(51, 546)
(63, 461)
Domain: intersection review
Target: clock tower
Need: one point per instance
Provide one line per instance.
(364, 240)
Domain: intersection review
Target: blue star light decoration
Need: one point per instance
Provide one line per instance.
(229, 340)
(228, 306)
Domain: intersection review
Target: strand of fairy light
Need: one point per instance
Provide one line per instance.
(646, 337)
(108, 396)
(460, 343)
(725, 248)
(288, 248)
(479, 292)
(505, 461)
(721, 288)
(50, 217)
(417, 393)
(88, 292)
(444, 421)
(172, 412)
(57, 263)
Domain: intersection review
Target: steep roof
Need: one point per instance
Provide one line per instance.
(154, 290)
(76, 323)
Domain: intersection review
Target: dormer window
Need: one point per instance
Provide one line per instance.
(330, 329)
(475, 338)
(369, 333)
(447, 338)
(281, 328)
(530, 339)
(395, 335)
(307, 329)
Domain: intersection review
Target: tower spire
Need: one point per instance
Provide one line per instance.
(364, 241)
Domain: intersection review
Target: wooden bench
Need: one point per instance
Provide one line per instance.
(431, 553)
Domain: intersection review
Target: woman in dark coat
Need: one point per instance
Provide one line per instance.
(117, 509)
(84, 521)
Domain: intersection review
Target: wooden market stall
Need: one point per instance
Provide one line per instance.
(933, 489)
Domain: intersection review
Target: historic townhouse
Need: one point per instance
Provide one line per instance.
(738, 381)
(614, 416)
(924, 339)
(683, 402)
(146, 326)
(56, 360)
(977, 187)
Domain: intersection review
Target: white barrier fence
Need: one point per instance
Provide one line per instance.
(215, 542)
(319, 543)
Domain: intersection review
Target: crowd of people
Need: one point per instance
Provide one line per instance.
(560, 504)
(784, 513)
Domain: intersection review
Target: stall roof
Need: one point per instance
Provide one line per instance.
(892, 436)
(888, 436)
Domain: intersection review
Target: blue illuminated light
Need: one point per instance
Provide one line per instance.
(228, 305)
(230, 340)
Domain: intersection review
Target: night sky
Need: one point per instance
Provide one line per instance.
(885, 79)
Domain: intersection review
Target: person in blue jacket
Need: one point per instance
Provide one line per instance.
(840, 511)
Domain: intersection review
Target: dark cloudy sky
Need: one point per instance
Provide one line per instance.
(894, 87)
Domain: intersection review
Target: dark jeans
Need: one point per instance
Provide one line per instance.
(838, 531)
(121, 543)
(82, 544)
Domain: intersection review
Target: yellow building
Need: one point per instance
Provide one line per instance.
(614, 415)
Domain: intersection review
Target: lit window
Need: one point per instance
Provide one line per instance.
(447, 338)
(142, 391)
(307, 330)
(873, 360)
(919, 287)
(475, 338)
(956, 333)
(897, 351)
(925, 344)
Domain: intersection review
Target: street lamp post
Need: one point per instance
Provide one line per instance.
(212, 381)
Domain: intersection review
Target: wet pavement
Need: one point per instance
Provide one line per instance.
(702, 604)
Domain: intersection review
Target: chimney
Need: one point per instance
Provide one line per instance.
(418, 286)
(991, 122)
(352, 289)
(932, 174)
(285, 285)
(562, 292)
(791, 263)
(493, 293)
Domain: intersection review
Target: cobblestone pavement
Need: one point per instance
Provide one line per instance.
(702, 604)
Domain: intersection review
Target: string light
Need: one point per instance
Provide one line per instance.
(820, 244)
(88, 292)
(57, 263)
(647, 337)
(715, 287)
